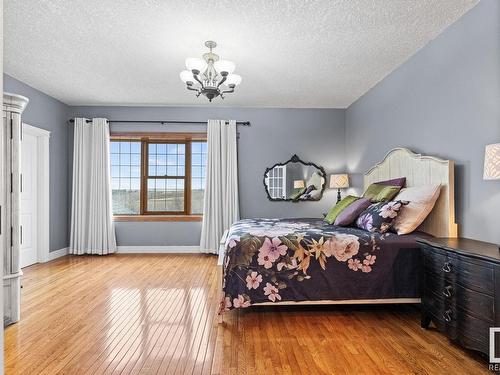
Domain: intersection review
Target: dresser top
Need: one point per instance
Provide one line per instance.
(466, 246)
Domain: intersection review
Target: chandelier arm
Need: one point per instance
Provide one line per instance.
(190, 86)
(228, 91)
(224, 77)
(198, 80)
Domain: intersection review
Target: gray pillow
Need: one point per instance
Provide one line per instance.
(351, 212)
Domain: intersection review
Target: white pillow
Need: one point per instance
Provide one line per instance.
(421, 202)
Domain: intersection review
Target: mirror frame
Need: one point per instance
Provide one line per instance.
(294, 159)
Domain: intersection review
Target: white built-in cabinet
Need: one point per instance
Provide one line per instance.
(10, 169)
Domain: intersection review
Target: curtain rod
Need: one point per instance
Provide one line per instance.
(163, 122)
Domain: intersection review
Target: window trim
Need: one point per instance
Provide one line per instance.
(146, 177)
(186, 218)
(173, 138)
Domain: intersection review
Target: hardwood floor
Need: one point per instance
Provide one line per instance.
(155, 314)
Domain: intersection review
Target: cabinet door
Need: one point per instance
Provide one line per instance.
(16, 135)
(3, 192)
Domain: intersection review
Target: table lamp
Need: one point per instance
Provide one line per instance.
(339, 181)
(299, 184)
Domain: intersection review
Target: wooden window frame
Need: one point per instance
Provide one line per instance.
(166, 138)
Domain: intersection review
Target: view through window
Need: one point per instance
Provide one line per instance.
(158, 177)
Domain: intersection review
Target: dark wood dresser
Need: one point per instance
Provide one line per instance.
(461, 290)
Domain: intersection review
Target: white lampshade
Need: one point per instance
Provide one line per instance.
(299, 184)
(339, 181)
(194, 63)
(233, 79)
(224, 66)
(186, 76)
(492, 162)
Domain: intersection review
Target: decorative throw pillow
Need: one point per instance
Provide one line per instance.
(421, 201)
(381, 193)
(309, 189)
(315, 195)
(379, 217)
(338, 208)
(351, 213)
(297, 193)
(401, 181)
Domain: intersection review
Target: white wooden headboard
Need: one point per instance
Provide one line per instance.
(422, 170)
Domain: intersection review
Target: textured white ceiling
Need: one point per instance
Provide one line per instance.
(289, 53)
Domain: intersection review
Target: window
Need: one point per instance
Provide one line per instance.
(126, 177)
(166, 178)
(275, 182)
(158, 175)
(198, 169)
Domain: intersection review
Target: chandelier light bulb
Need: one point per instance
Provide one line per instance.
(194, 63)
(224, 66)
(186, 76)
(233, 79)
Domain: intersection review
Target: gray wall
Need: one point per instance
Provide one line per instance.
(444, 101)
(274, 135)
(48, 113)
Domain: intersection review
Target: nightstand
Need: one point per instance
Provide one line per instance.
(461, 290)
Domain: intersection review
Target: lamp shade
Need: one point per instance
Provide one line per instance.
(339, 181)
(194, 63)
(186, 76)
(224, 66)
(299, 184)
(492, 162)
(233, 79)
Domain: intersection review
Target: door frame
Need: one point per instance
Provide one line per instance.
(43, 192)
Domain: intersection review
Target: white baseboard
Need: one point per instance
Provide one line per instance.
(158, 249)
(57, 253)
(137, 250)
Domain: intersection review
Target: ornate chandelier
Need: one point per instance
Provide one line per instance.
(210, 76)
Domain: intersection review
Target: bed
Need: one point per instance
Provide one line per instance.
(307, 261)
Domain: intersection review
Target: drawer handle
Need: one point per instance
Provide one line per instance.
(447, 316)
(447, 291)
(446, 267)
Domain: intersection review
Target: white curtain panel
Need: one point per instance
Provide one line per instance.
(221, 204)
(92, 229)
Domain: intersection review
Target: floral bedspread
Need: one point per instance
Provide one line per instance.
(272, 260)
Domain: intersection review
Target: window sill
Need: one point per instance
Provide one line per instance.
(157, 218)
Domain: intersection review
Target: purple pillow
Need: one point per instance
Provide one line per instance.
(351, 212)
(394, 182)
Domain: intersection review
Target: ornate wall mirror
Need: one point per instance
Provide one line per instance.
(295, 180)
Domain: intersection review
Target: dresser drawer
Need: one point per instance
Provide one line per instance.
(476, 304)
(433, 303)
(441, 311)
(435, 260)
(473, 332)
(474, 276)
(434, 282)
